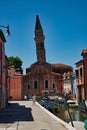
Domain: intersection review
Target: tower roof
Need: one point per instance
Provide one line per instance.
(84, 52)
(38, 24)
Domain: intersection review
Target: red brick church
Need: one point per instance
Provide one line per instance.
(43, 77)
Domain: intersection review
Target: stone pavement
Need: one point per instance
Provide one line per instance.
(22, 115)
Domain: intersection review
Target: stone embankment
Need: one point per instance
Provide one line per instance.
(23, 115)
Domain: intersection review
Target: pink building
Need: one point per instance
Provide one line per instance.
(81, 76)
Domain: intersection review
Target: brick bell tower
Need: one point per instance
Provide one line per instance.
(39, 39)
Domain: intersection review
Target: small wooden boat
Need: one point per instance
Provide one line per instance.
(52, 107)
(72, 103)
(61, 100)
(44, 101)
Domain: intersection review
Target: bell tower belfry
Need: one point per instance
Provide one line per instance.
(39, 39)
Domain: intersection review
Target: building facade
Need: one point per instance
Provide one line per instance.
(3, 72)
(15, 83)
(42, 77)
(81, 77)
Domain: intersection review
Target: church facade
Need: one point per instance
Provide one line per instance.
(43, 77)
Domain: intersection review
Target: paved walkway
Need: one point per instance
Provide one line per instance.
(21, 115)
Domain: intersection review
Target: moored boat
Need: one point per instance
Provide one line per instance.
(72, 103)
(61, 100)
(52, 107)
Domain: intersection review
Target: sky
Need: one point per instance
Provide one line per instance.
(64, 24)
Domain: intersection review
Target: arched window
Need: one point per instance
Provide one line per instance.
(35, 84)
(53, 85)
(28, 87)
(41, 44)
(46, 83)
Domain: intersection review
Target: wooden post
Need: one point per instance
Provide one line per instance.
(85, 106)
(69, 114)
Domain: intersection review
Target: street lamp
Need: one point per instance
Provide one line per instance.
(8, 31)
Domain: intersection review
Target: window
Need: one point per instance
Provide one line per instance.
(35, 84)
(64, 75)
(46, 83)
(77, 73)
(28, 87)
(81, 72)
(53, 85)
(41, 44)
(67, 83)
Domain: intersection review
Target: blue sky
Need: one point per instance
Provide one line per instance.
(64, 23)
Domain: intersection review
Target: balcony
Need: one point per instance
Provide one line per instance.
(79, 81)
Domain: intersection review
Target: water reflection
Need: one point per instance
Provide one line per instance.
(63, 113)
(76, 115)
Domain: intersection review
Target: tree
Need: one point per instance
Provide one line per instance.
(16, 61)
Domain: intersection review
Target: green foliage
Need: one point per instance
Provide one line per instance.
(16, 61)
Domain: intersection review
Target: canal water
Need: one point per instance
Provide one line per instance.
(75, 113)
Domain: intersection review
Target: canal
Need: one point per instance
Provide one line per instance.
(75, 113)
(64, 110)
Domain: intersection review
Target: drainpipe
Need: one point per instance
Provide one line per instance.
(84, 79)
(1, 73)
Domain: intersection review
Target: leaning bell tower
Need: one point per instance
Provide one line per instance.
(39, 40)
